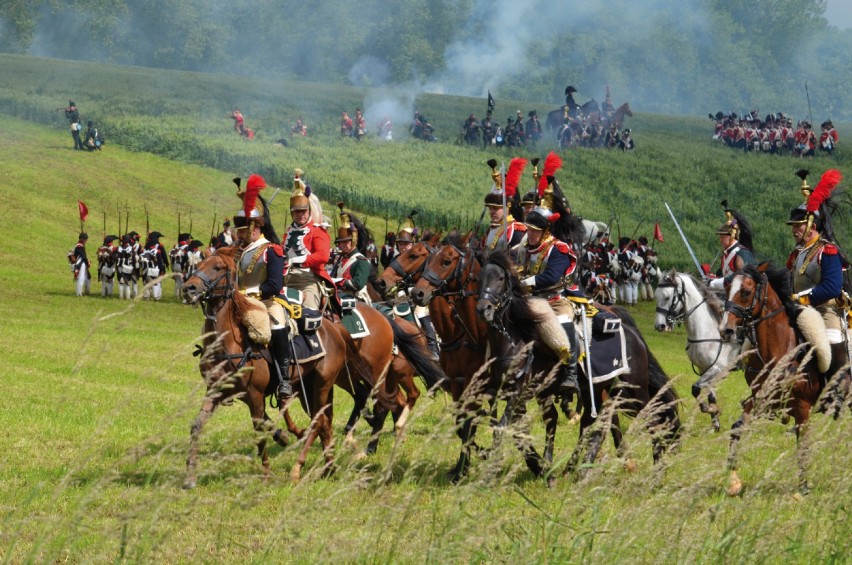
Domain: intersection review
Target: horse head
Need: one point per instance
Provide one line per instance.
(212, 277)
(669, 296)
(495, 292)
(405, 268)
(442, 271)
(746, 299)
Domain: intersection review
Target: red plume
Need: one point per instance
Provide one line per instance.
(830, 179)
(554, 217)
(513, 176)
(255, 181)
(253, 187)
(552, 163)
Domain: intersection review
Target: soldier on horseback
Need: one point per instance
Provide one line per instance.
(817, 266)
(307, 246)
(735, 238)
(547, 265)
(504, 232)
(572, 109)
(260, 271)
(351, 269)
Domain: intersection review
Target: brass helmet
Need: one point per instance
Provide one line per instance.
(299, 200)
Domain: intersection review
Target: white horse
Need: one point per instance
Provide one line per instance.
(594, 230)
(681, 299)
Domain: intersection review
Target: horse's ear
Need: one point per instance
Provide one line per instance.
(433, 241)
(466, 240)
(672, 274)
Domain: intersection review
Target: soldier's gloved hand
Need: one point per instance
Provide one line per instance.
(804, 300)
(529, 281)
(298, 260)
(717, 283)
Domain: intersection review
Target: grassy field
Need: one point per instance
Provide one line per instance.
(184, 116)
(98, 396)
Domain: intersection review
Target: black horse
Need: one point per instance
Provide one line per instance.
(516, 322)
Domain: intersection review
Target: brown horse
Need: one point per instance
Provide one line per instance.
(779, 375)
(233, 367)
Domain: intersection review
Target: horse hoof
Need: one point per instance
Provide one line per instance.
(189, 484)
(735, 487)
(575, 419)
(361, 455)
(295, 474)
(630, 466)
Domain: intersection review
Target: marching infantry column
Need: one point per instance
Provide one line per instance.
(260, 271)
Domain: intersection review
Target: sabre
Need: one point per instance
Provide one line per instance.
(274, 194)
(588, 360)
(505, 220)
(685, 242)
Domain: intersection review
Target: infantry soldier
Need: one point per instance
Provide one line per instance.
(153, 260)
(194, 256)
(260, 271)
(816, 265)
(226, 238)
(307, 246)
(737, 247)
(127, 265)
(80, 265)
(107, 255)
(72, 114)
(178, 260)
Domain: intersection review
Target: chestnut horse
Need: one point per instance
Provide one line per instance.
(778, 372)
(233, 367)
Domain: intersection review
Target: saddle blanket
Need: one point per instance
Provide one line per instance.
(354, 323)
(308, 347)
(608, 348)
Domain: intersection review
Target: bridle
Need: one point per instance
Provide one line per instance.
(465, 261)
(500, 301)
(750, 315)
(213, 292)
(677, 313)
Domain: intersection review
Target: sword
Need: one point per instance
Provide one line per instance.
(685, 242)
(274, 194)
(588, 360)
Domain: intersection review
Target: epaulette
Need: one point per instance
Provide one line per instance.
(830, 249)
(562, 247)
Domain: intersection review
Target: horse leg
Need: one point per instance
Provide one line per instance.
(207, 408)
(466, 432)
(291, 425)
(801, 412)
(550, 416)
(377, 421)
(261, 423)
(735, 485)
(326, 434)
(713, 409)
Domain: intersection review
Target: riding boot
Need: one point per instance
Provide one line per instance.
(431, 338)
(281, 355)
(569, 382)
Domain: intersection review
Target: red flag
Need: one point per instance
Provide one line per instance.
(658, 235)
(84, 211)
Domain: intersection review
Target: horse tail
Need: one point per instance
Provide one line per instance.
(660, 388)
(411, 346)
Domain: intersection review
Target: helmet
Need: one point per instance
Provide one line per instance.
(252, 212)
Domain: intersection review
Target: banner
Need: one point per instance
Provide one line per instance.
(658, 234)
(490, 101)
(84, 211)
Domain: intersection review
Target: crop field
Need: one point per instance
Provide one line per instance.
(184, 117)
(98, 395)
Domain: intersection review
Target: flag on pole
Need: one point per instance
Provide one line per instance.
(490, 101)
(84, 211)
(658, 234)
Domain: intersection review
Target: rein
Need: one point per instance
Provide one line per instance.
(440, 289)
(750, 315)
(500, 302)
(678, 302)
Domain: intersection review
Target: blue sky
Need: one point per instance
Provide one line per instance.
(839, 13)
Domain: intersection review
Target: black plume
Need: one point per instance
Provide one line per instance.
(238, 181)
(535, 161)
(802, 173)
(492, 163)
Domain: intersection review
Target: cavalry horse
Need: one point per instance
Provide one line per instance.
(556, 118)
(683, 300)
(366, 363)
(779, 372)
(504, 303)
(616, 118)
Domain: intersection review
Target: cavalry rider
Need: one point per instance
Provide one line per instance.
(817, 265)
(154, 258)
(107, 254)
(260, 274)
(404, 241)
(307, 246)
(572, 109)
(80, 265)
(737, 248)
(351, 269)
(504, 232)
(388, 250)
(547, 266)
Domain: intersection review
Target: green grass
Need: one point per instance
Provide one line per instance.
(183, 116)
(98, 397)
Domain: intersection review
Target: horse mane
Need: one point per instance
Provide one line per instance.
(716, 304)
(780, 282)
(625, 108)
(522, 317)
(229, 255)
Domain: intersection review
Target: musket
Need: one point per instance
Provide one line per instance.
(190, 221)
(178, 236)
(213, 227)
(685, 242)
(120, 233)
(810, 117)
(104, 224)
(147, 222)
(639, 225)
(126, 216)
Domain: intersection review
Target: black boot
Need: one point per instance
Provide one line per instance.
(431, 338)
(569, 382)
(281, 355)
